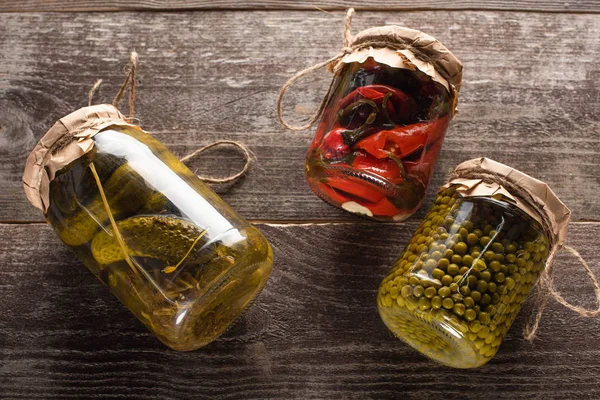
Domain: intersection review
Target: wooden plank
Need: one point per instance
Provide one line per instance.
(313, 333)
(157, 5)
(529, 99)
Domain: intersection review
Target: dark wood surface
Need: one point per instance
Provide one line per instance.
(313, 333)
(530, 98)
(157, 5)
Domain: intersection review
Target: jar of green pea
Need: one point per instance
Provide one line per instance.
(460, 282)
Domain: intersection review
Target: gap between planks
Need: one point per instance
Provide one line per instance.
(302, 222)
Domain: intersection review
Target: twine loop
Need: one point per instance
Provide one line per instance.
(245, 151)
(130, 81)
(347, 49)
(545, 285)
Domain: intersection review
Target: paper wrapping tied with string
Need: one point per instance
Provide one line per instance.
(401, 47)
(69, 139)
(394, 46)
(482, 177)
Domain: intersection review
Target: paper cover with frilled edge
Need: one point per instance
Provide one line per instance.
(68, 139)
(409, 49)
(557, 212)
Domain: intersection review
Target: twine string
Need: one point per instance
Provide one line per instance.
(315, 117)
(545, 285)
(546, 290)
(209, 179)
(130, 81)
(93, 91)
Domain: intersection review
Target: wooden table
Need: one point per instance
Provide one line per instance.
(211, 70)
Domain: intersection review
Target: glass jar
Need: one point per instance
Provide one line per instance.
(383, 125)
(463, 277)
(166, 245)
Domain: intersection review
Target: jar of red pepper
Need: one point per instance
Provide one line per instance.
(383, 122)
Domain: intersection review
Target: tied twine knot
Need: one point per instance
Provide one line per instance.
(545, 285)
(347, 49)
(130, 81)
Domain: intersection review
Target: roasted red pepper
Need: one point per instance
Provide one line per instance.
(333, 144)
(387, 168)
(405, 140)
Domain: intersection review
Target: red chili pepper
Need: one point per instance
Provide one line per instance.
(399, 105)
(382, 207)
(355, 187)
(405, 140)
(333, 144)
(385, 168)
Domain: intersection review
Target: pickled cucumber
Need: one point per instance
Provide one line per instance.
(166, 238)
(126, 192)
(461, 281)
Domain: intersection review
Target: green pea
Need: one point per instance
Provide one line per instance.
(447, 280)
(472, 238)
(456, 259)
(406, 291)
(489, 255)
(418, 291)
(413, 280)
(424, 304)
(460, 248)
(430, 292)
(453, 287)
(472, 279)
(437, 273)
(478, 233)
(436, 302)
(484, 240)
(511, 248)
(468, 302)
(479, 265)
(430, 264)
(492, 287)
(447, 303)
(474, 326)
(495, 266)
(498, 247)
(482, 286)
(483, 332)
(499, 277)
(459, 309)
(444, 291)
(510, 283)
(476, 296)
(470, 315)
(443, 264)
(485, 299)
(464, 290)
(486, 275)
(453, 269)
(467, 260)
(448, 253)
(463, 270)
(484, 318)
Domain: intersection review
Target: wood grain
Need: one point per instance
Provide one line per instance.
(156, 5)
(313, 333)
(530, 96)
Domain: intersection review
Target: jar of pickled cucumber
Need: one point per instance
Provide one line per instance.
(383, 123)
(461, 280)
(172, 251)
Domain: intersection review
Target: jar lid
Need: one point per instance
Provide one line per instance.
(485, 177)
(407, 48)
(68, 139)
